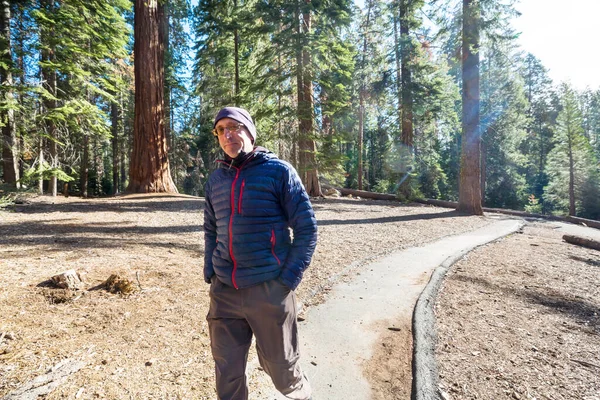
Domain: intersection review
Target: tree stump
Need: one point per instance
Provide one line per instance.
(68, 280)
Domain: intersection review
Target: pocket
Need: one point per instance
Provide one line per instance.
(281, 283)
(273, 243)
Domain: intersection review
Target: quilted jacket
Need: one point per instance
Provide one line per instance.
(248, 215)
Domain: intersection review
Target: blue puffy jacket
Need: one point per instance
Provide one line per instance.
(247, 219)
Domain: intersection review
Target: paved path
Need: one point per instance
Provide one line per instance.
(339, 335)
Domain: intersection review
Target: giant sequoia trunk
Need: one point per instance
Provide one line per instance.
(407, 97)
(10, 154)
(306, 144)
(469, 200)
(149, 170)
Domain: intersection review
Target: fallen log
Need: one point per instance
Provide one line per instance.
(44, 384)
(367, 195)
(583, 221)
(581, 241)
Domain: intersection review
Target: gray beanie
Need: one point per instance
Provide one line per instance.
(240, 115)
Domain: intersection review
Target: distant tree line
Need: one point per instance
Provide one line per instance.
(374, 98)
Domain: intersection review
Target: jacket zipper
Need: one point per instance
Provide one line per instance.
(240, 198)
(273, 246)
(237, 174)
(232, 197)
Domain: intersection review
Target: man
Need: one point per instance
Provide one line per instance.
(251, 262)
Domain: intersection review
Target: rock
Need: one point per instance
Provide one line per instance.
(68, 280)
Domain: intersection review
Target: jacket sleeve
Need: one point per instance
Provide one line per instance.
(210, 235)
(301, 218)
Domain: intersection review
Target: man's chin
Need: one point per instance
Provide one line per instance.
(232, 151)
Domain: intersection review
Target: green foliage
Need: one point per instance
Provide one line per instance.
(86, 46)
(533, 205)
(44, 171)
(571, 162)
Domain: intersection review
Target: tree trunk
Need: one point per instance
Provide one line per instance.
(398, 64)
(165, 32)
(407, 99)
(407, 136)
(149, 171)
(469, 187)
(41, 162)
(85, 162)
(482, 176)
(571, 175)
(236, 57)
(10, 154)
(125, 144)
(306, 145)
(582, 241)
(361, 99)
(361, 139)
(114, 114)
(367, 195)
(49, 82)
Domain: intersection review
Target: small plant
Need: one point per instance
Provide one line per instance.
(44, 171)
(533, 205)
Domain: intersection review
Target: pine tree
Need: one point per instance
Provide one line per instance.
(541, 114)
(503, 128)
(571, 162)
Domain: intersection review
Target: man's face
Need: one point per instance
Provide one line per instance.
(235, 137)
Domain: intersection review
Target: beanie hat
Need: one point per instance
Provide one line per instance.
(240, 115)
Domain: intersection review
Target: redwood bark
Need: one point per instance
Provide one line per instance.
(407, 99)
(469, 187)
(149, 170)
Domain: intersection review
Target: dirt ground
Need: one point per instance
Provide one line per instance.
(520, 319)
(153, 343)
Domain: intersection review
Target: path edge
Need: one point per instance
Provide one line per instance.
(425, 382)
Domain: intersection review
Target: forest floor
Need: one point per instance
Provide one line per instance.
(153, 343)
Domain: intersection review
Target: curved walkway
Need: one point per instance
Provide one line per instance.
(338, 336)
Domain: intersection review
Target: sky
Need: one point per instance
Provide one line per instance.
(565, 37)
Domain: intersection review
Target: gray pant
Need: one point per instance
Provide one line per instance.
(268, 311)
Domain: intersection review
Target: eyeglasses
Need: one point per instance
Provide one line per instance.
(233, 128)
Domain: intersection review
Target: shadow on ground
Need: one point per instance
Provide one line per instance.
(399, 218)
(116, 204)
(59, 234)
(582, 312)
